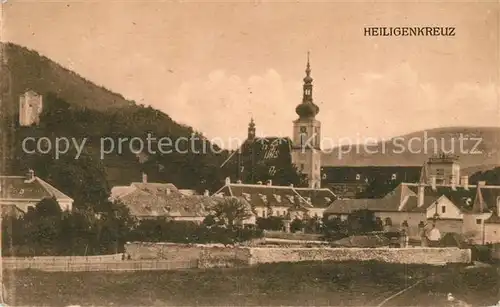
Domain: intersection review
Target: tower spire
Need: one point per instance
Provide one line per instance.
(308, 67)
(307, 108)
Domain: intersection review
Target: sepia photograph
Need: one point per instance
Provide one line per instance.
(249, 153)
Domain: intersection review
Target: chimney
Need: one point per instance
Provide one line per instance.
(269, 182)
(454, 182)
(228, 180)
(465, 182)
(144, 178)
(259, 182)
(420, 195)
(433, 182)
(206, 193)
(30, 176)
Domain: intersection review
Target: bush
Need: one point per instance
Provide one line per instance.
(270, 223)
(297, 225)
(481, 253)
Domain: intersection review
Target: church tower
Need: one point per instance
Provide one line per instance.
(306, 151)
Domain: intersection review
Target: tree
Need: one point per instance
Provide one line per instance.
(312, 225)
(230, 211)
(361, 221)
(334, 228)
(48, 207)
(378, 189)
(296, 225)
(270, 223)
(115, 223)
(43, 226)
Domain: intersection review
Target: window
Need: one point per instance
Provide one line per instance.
(443, 209)
(388, 222)
(440, 172)
(478, 221)
(302, 166)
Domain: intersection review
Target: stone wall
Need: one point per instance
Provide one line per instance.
(162, 251)
(391, 255)
(221, 256)
(208, 255)
(225, 257)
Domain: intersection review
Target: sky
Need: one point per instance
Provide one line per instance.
(213, 65)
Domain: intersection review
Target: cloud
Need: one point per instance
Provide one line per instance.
(221, 105)
(376, 105)
(399, 100)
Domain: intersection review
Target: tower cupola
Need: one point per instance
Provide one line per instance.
(307, 109)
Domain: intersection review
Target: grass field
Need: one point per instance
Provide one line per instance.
(300, 284)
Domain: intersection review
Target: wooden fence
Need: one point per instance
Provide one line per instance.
(92, 264)
(64, 259)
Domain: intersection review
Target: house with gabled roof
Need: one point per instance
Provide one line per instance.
(451, 205)
(152, 200)
(19, 193)
(281, 201)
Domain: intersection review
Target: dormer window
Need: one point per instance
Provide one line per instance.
(264, 198)
(394, 176)
(246, 196)
(278, 198)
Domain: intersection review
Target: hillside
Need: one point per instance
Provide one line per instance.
(485, 156)
(75, 107)
(30, 70)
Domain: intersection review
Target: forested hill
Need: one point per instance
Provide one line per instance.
(30, 70)
(77, 108)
